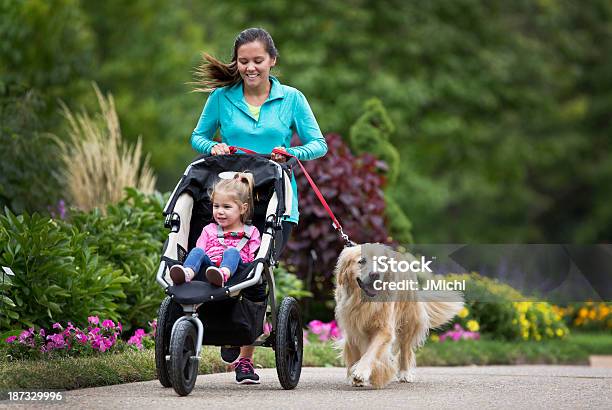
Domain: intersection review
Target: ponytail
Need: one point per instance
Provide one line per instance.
(212, 73)
(247, 179)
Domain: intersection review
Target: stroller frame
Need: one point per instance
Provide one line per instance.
(179, 369)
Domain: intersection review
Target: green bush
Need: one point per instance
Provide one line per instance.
(57, 274)
(130, 236)
(500, 311)
(288, 284)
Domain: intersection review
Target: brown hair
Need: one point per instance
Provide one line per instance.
(213, 73)
(241, 188)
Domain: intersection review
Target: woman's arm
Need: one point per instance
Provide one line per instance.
(202, 136)
(305, 124)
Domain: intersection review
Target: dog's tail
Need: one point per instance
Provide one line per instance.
(441, 310)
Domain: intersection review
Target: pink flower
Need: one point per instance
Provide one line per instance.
(10, 339)
(458, 333)
(42, 332)
(57, 326)
(109, 324)
(57, 341)
(94, 320)
(119, 327)
(315, 326)
(81, 337)
(267, 328)
(335, 332)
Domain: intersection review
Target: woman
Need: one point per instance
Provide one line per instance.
(252, 109)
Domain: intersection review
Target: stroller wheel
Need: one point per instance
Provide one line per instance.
(289, 343)
(183, 366)
(166, 316)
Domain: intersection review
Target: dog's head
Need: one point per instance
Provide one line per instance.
(354, 270)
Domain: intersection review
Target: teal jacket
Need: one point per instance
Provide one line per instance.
(284, 112)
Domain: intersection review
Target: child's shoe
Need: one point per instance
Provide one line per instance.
(179, 274)
(216, 276)
(245, 373)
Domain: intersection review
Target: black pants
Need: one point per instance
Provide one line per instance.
(287, 228)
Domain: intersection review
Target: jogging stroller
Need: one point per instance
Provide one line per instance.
(198, 313)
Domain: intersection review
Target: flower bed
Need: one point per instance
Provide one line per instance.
(100, 336)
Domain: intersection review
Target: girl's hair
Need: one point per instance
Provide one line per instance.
(213, 73)
(241, 188)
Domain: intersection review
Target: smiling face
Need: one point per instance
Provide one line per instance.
(227, 211)
(254, 64)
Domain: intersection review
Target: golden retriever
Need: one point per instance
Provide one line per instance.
(380, 337)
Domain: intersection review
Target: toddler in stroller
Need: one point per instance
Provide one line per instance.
(231, 315)
(228, 242)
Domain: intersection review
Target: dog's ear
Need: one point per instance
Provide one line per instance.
(343, 272)
(339, 271)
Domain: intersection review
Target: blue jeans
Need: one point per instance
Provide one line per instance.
(197, 259)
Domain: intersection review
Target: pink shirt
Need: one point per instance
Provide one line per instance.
(214, 250)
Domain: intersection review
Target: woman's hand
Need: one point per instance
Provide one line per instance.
(278, 157)
(220, 149)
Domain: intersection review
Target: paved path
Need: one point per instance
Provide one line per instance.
(507, 387)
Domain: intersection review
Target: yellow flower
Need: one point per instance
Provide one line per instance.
(538, 337)
(472, 326)
(592, 315)
(434, 338)
(560, 332)
(583, 312)
(463, 313)
(549, 332)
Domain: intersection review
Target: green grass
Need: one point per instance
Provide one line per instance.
(131, 366)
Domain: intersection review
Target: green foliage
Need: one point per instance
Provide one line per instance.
(93, 264)
(46, 48)
(29, 165)
(288, 284)
(399, 224)
(57, 275)
(371, 133)
(130, 236)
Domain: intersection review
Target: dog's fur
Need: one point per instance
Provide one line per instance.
(380, 338)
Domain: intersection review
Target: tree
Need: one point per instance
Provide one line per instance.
(370, 134)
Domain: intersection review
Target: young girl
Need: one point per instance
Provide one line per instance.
(228, 242)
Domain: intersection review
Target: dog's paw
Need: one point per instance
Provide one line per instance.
(405, 376)
(359, 376)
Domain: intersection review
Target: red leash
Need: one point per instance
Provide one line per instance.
(335, 222)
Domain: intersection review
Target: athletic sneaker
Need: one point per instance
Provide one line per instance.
(216, 276)
(245, 373)
(180, 274)
(229, 354)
